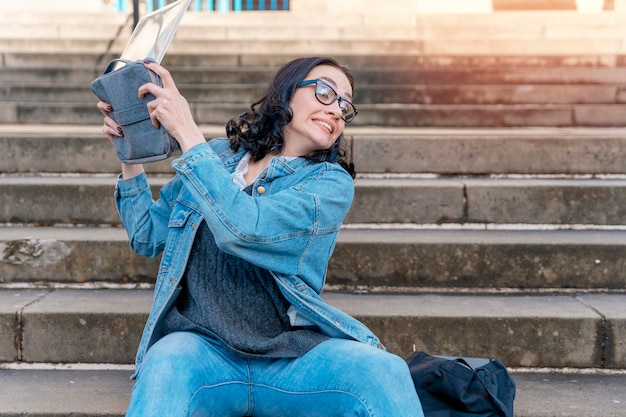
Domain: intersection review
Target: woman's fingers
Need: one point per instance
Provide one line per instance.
(111, 129)
(104, 107)
(166, 77)
(169, 108)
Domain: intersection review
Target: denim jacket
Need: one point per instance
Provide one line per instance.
(289, 226)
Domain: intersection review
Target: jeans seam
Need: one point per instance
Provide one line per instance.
(203, 387)
(250, 389)
(340, 391)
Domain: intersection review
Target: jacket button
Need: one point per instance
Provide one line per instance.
(261, 190)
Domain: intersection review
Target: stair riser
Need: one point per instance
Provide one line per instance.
(404, 260)
(365, 75)
(391, 115)
(375, 94)
(311, 46)
(97, 61)
(105, 325)
(489, 153)
(61, 201)
(476, 264)
(438, 152)
(302, 27)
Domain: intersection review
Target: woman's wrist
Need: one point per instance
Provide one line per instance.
(187, 139)
(131, 170)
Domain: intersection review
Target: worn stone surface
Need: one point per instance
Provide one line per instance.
(546, 201)
(407, 201)
(85, 326)
(520, 330)
(8, 113)
(66, 393)
(447, 115)
(414, 259)
(400, 258)
(569, 395)
(52, 200)
(103, 326)
(40, 149)
(490, 151)
(601, 115)
(83, 255)
(12, 304)
(88, 200)
(392, 115)
(613, 310)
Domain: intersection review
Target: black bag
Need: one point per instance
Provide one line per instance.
(142, 142)
(462, 387)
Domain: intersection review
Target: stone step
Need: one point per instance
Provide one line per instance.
(367, 94)
(541, 151)
(535, 26)
(374, 17)
(312, 46)
(294, 26)
(390, 115)
(366, 259)
(69, 392)
(104, 325)
(97, 61)
(469, 75)
(44, 200)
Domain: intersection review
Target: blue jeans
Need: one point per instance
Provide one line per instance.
(188, 374)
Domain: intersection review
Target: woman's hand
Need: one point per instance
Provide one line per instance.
(111, 129)
(171, 109)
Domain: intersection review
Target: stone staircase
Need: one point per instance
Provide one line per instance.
(488, 218)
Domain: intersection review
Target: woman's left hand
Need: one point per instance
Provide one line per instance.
(171, 109)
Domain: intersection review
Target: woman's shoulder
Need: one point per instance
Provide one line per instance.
(220, 145)
(327, 176)
(334, 169)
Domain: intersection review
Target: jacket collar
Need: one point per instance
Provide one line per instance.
(278, 167)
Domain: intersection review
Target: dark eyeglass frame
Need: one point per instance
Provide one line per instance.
(346, 103)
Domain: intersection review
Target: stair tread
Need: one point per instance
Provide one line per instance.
(64, 393)
(466, 305)
(45, 130)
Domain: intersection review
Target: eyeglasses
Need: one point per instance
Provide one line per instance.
(326, 95)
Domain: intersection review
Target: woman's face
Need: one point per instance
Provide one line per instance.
(316, 126)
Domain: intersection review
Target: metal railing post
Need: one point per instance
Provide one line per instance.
(135, 13)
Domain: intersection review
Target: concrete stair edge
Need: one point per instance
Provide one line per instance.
(373, 260)
(522, 330)
(535, 201)
(70, 392)
(393, 115)
(373, 149)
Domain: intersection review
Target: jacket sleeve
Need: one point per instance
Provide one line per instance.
(144, 219)
(291, 231)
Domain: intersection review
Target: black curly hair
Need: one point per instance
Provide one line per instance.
(260, 130)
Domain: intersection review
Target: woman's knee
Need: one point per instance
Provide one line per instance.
(381, 379)
(171, 354)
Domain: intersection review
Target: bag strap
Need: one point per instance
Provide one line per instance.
(113, 63)
(116, 61)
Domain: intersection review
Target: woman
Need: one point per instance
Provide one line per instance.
(246, 228)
